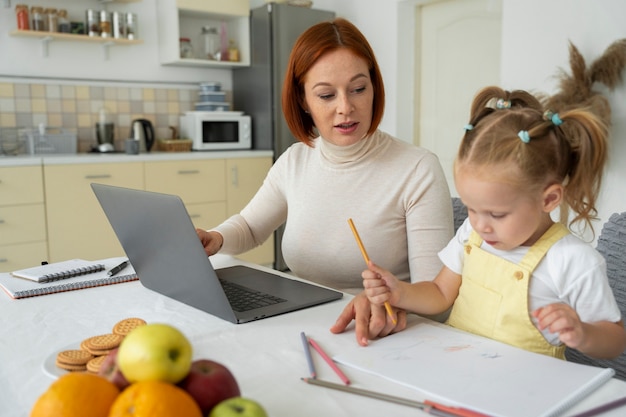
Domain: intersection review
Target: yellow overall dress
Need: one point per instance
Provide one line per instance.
(493, 297)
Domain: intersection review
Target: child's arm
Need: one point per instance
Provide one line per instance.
(427, 297)
(602, 339)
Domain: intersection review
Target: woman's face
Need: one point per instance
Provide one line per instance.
(339, 96)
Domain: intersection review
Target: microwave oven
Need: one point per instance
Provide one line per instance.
(216, 130)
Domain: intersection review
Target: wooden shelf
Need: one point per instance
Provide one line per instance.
(46, 37)
(72, 37)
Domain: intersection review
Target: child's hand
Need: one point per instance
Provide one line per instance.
(380, 285)
(562, 319)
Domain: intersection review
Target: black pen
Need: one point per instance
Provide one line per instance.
(118, 268)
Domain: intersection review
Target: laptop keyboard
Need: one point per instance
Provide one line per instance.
(244, 299)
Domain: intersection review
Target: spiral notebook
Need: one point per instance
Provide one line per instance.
(70, 275)
(59, 270)
(465, 370)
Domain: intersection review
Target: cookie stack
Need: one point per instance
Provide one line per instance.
(94, 349)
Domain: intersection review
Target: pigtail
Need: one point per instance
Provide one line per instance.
(587, 139)
(586, 116)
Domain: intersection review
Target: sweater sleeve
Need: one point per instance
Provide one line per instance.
(428, 220)
(265, 212)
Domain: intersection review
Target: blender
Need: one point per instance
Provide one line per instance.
(105, 134)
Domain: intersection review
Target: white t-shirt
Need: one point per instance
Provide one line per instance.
(395, 192)
(572, 272)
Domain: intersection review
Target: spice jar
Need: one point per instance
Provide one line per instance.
(118, 23)
(21, 13)
(36, 15)
(132, 26)
(233, 52)
(92, 21)
(64, 24)
(186, 50)
(52, 20)
(105, 24)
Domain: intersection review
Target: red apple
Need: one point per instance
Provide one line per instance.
(209, 383)
(111, 371)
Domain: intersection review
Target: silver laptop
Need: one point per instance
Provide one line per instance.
(162, 245)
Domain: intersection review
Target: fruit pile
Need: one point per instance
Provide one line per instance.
(151, 374)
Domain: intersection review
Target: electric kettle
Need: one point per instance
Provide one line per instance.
(142, 130)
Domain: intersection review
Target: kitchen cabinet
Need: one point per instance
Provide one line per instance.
(244, 177)
(48, 210)
(77, 226)
(200, 184)
(22, 217)
(185, 18)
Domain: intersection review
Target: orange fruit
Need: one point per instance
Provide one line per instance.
(154, 399)
(74, 394)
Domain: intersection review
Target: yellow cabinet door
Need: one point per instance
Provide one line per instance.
(196, 181)
(244, 177)
(77, 226)
(21, 185)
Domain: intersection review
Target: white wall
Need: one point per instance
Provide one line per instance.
(535, 45)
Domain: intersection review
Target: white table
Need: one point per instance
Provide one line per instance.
(265, 356)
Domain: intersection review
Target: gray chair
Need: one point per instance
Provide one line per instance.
(612, 245)
(459, 212)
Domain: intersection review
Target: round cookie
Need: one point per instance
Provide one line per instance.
(123, 327)
(94, 364)
(101, 344)
(73, 359)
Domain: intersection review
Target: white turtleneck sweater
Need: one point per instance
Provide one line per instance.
(396, 194)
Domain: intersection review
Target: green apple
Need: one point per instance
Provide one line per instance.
(238, 407)
(155, 351)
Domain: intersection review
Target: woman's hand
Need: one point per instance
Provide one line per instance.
(212, 241)
(371, 320)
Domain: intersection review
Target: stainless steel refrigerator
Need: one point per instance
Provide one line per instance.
(274, 28)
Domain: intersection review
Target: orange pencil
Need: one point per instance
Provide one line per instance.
(367, 260)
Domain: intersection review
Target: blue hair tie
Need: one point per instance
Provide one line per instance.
(556, 120)
(553, 117)
(468, 127)
(524, 136)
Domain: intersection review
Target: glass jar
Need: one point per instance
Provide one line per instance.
(118, 23)
(52, 20)
(211, 40)
(105, 24)
(92, 23)
(21, 14)
(63, 23)
(186, 50)
(132, 26)
(36, 15)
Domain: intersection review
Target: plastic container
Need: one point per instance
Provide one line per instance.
(212, 106)
(50, 140)
(210, 86)
(212, 96)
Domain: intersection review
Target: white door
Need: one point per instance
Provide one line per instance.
(458, 50)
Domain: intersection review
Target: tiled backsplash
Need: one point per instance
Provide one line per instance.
(76, 108)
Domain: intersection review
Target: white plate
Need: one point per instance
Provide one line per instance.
(49, 365)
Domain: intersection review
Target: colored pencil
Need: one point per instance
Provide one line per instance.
(307, 354)
(329, 361)
(603, 408)
(367, 260)
(428, 407)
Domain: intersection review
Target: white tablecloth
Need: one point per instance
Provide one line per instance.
(265, 356)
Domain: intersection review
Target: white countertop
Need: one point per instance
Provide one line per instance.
(117, 157)
(265, 356)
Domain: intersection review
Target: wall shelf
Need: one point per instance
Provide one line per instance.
(46, 37)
